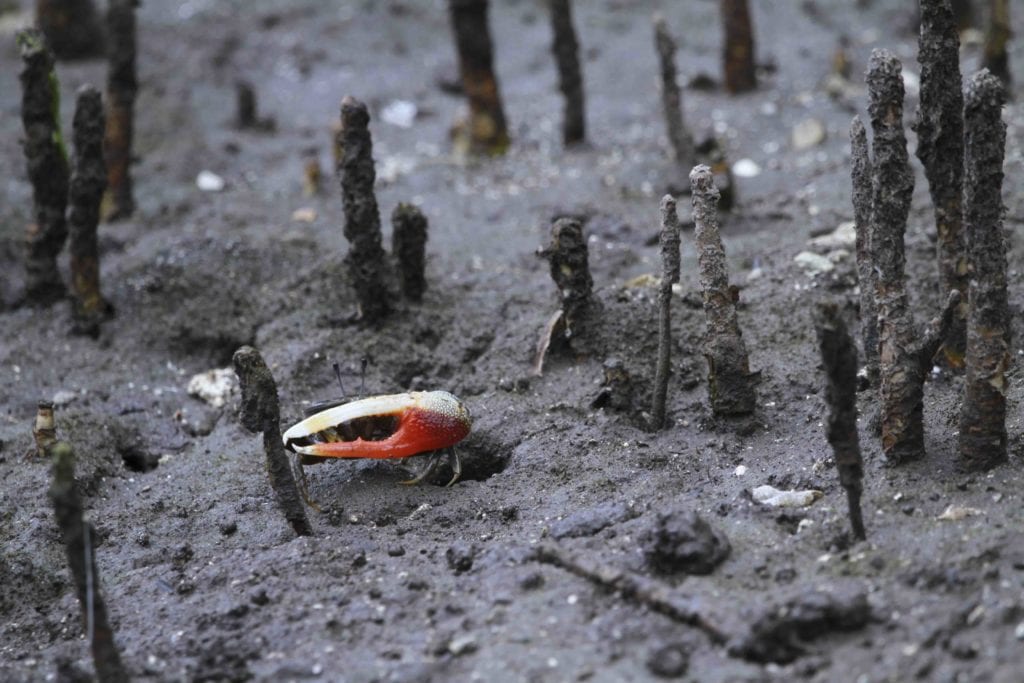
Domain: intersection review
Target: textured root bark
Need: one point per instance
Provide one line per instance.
(939, 125)
(671, 97)
(861, 178)
(408, 244)
(47, 169)
(738, 52)
(570, 77)
(122, 86)
(731, 385)
(983, 414)
(88, 181)
(486, 131)
(839, 356)
(366, 259)
(669, 275)
(260, 412)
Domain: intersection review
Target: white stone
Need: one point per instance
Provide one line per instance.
(64, 397)
(741, 470)
(843, 237)
(305, 214)
(954, 513)
(399, 113)
(208, 181)
(773, 497)
(813, 263)
(215, 387)
(837, 255)
(808, 133)
(746, 168)
(461, 644)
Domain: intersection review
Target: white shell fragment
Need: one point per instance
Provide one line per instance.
(305, 214)
(215, 387)
(399, 113)
(773, 497)
(954, 513)
(814, 263)
(746, 168)
(208, 181)
(843, 237)
(64, 397)
(808, 133)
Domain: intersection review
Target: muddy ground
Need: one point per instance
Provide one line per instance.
(203, 577)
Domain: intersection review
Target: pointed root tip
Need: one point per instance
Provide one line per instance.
(984, 90)
(701, 179)
(353, 112)
(884, 61)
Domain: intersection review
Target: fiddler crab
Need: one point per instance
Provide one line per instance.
(390, 426)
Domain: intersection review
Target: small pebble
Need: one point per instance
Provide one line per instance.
(462, 645)
(813, 263)
(808, 133)
(399, 113)
(955, 513)
(669, 661)
(64, 397)
(208, 181)
(746, 168)
(460, 556)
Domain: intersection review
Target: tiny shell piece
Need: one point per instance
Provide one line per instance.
(773, 497)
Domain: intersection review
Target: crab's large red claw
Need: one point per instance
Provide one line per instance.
(421, 421)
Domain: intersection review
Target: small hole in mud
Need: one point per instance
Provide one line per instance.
(481, 461)
(138, 460)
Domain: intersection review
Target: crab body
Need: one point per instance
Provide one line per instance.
(390, 426)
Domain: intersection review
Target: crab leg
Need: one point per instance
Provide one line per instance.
(435, 460)
(456, 464)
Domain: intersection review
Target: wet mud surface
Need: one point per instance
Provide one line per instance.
(203, 577)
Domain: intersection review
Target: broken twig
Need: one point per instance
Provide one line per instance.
(839, 356)
(861, 176)
(79, 547)
(260, 413)
(669, 275)
(44, 432)
(655, 595)
(671, 97)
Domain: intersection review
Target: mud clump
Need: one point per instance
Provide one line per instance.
(460, 556)
(683, 543)
(670, 660)
(780, 632)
